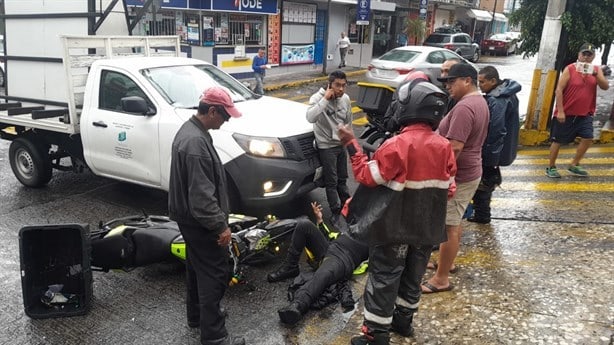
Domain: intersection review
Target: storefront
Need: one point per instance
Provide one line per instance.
(225, 33)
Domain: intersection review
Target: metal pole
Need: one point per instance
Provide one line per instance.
(492, 22)
(325, 62)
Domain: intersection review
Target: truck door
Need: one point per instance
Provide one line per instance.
(120, 144)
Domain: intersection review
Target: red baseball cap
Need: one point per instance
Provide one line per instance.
(217, 95)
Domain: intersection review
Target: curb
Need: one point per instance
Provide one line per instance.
(294, 83)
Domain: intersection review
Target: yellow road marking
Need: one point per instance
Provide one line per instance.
(296, 98)
(541, 172)
(356, 110)
(594, 149)
(361, 121)
(563, 162)
(586, 186)
(239, 63)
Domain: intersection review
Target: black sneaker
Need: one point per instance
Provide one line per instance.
(291, 314)
(479, 220)
(283, 272)
(370, 337)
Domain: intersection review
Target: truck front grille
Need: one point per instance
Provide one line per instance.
(299, 147)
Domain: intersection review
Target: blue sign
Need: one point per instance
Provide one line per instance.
(200, 4)
(424, 4)
(163, 3)
(363, 12)
(245, 6)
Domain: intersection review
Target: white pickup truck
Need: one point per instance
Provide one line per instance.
(127, 97)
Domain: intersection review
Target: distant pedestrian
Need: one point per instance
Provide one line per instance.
(466, 126)
(259, 65)
(501, 143)
(198, 202)
(344, 45)
(576, 98)
(329, 108)
(400, 208)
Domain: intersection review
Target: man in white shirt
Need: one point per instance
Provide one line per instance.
(344, 44)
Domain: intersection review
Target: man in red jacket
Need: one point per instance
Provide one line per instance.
(400, 209)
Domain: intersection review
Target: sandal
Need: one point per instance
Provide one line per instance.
(433, 266)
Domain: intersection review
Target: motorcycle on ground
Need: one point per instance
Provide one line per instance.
(140, 240)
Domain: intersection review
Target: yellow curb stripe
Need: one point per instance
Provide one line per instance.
(296, 98)
(594, 149)
(541, 172)
(361, 121)
(238, 63)
(356, 110)
(563, 163)
(527, 203)
(559, 186)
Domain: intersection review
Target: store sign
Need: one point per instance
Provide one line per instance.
(163, 3)
(424, 4)
(245, 6)
(363, 12)
(199, 4)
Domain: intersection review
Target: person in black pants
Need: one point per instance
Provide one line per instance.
(198, 202)
(337, 261)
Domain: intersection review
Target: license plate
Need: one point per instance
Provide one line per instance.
(491, 48)
(386, 73)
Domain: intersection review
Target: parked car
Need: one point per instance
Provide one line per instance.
(499, 44)
(394, 66)
(458, 42)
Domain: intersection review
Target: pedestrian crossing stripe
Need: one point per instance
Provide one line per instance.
(563, 162)
(571, 150)
(559, 186)
(510, 172)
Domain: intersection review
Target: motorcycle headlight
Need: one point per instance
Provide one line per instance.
(260, 146)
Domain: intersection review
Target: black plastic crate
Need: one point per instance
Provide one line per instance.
(373, 98)
(55, 254)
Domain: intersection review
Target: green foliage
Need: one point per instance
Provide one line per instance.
(585, 21)
(415, 28)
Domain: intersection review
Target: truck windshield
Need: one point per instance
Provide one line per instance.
(183, 85)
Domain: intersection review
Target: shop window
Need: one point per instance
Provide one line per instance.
(238, 29)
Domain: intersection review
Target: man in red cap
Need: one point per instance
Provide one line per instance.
(198, 202)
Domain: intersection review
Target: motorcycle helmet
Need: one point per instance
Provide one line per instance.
(421, 102)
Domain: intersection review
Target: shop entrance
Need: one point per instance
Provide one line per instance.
(381, 35)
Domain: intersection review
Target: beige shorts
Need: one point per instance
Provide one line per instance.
(458, 204)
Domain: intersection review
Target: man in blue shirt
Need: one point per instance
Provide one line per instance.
(259, 65)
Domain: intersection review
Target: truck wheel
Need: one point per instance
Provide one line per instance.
(234, 198)
(30, 163)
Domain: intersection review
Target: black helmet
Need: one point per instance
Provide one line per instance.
(421, 102)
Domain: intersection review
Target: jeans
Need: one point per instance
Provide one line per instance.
(491, 178)
(259, 83)
(343, 52)
(335, 173)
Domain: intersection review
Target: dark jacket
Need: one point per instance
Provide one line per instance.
(502, 140)
(197, 187)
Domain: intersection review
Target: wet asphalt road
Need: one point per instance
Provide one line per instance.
(539, 274)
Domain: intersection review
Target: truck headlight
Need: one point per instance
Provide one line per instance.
(260, 146)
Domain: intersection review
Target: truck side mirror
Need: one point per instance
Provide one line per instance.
(135, 104)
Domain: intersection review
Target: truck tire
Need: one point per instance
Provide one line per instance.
(30, 163)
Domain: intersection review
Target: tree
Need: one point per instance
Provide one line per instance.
(415, 28)
(585, 21)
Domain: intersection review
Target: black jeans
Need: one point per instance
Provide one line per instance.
(491, 178)
(306, 234)
(207, 277)
(335, 173)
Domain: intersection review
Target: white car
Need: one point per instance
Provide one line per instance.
(393, 67)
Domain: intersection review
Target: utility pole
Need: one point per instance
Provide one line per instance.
(545, 77)
(492, 21)
(326, 30)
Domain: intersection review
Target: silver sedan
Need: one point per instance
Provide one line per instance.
(393, 67)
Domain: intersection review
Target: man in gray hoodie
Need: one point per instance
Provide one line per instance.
(329, 108)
